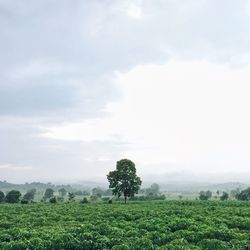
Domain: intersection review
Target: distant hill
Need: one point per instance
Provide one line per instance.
(6, 186)
(183, 187)
(196, 187)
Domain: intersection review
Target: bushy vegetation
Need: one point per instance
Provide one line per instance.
(244, 195)
(139, 225)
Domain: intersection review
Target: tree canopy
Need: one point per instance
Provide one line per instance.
(205, 195)
(13, 196)
(244, 195)
(49, 192)
(2, 196)
(30, 194)
(123, 180)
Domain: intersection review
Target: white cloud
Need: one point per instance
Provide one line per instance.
(134, 10)
(14, 167)
(193, 114)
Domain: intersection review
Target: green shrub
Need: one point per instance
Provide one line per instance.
(53, 200)
(24, 201)
(84, 200)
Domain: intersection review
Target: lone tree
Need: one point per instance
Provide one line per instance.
(124, 180)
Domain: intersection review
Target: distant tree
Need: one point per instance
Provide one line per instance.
(234, 193)
(218, 192)
(71, 196)
(224, 196)
(49, 193)
(97, 191)
(205, 195)
(202, 195)
(84, 200)
(124, 180)
(153, 190)
(208, 194)
(180, 197)
(62, 192)
(13, 196)
(2, 196)
(30, 194)
(244, 195)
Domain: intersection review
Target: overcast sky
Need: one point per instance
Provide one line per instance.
(165, 83)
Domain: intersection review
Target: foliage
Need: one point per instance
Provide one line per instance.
(2, 196)
(205, 195)
(124, 180)
(13, 196)
(224, 196)
(141, 225)
(84, 200)
(93, 198)
(49, 193)
(148, 198)
(29, 195)
(23, 201)
(53, 200)
(71, 196)
(244, 195)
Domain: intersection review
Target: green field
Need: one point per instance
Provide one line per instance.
(137, 225)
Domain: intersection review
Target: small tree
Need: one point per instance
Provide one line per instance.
(180, 197)
(71, 196)
(2, 196)
(153, 190)
(84, 200)
(205, 195)
(124, 180)
(13, 196)
(49, 193)
(224, 196)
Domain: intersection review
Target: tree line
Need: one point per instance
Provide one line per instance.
(123, 182)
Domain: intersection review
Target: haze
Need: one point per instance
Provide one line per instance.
(163, 83)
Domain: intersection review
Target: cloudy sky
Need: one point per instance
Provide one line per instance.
(162, 82)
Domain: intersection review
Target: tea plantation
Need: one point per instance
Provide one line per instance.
(137, 225)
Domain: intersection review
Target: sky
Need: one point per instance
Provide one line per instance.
(164, 83)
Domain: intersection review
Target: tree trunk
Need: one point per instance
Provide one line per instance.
(125, 199)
